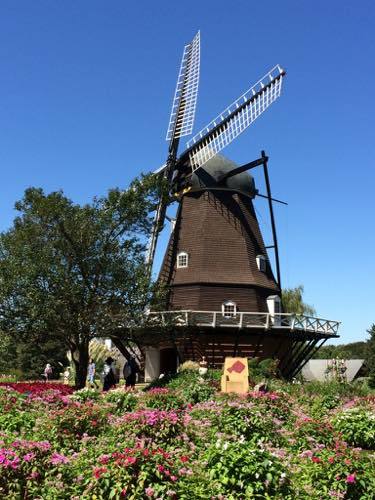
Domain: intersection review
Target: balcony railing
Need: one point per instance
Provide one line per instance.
(244, 320)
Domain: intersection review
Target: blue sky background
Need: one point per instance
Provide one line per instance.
(85, 96)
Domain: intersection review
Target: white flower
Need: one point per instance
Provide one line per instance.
(225, 445)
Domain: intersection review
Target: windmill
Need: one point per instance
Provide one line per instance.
(223, 298)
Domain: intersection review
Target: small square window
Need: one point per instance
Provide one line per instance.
(182, 259)
(229, 309)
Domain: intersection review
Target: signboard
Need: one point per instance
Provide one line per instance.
(235, 377)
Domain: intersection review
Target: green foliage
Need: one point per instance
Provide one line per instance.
(161, 399)
(357, 426)
(189, 365)
(333, 472)
(285, 445)
(76, 272)
(86, 394)
(122, 399)
(241, 470)
(370, 355)
(262, 369)
(354, 350)
(292, 301)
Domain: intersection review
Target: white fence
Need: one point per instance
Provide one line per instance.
(245, 320)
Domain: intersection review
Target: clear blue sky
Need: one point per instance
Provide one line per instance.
(85, 95)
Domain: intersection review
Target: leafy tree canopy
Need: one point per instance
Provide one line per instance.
(292, 301)
(354, 350)
(76, 272)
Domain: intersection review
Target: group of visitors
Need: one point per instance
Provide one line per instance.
(109, 373)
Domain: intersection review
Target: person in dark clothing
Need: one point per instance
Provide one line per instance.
(109, 374)
(130, 372)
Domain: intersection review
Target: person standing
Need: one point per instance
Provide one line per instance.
(91, 373)
(130, 372)
(109, 374)
(47, 372)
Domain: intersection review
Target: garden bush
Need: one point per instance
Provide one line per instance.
(186, 441)
(357, 426)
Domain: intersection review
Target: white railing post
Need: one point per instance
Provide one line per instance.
(214, 320)
(267, 325)
(293, 322)
(241, 319)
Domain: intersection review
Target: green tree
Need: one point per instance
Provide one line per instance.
(292, 301)
(354, 350)
(76, 272)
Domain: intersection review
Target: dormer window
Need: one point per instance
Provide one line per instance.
(229, 309)
(262, 263)
(274, 308)
(182, 259)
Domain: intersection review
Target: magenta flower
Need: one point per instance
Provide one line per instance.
(29, 456)
(57, 459)
(351, 478)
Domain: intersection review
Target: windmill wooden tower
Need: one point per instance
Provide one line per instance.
(223, 297)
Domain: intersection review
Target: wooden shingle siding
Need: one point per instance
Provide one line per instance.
(220, 232)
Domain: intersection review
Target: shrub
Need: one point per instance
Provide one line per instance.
(160, 425)
(86, 394)
(189, 366)
(333, 472)
(161, 398)
(241, 470)
(357, 426)
(66, 426)
(124, 400)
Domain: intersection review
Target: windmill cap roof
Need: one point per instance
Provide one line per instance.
(209, 175)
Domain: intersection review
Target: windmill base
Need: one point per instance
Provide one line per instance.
(291, 349)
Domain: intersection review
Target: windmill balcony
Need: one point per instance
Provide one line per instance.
(245, 320)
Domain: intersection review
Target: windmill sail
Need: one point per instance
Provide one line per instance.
(235, 118)
(185, 99)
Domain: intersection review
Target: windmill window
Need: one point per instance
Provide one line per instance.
(262, 263)
(182, 259)
(229, 309)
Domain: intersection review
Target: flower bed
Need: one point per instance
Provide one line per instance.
(185, 440)
(38, 387)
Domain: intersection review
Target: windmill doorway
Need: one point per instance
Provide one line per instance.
(168, 360)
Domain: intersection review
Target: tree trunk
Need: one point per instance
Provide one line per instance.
(80, 357)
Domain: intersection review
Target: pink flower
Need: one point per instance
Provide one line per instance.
(351, 478)
(57, 459)
(29, 456)
(104, 459)
(149, 492)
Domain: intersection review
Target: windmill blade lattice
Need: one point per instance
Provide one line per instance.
(235, 118)
(185, 99)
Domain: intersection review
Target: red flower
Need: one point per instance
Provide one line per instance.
(98, 471)
(316, 459)
(184, 458)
